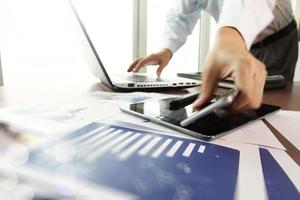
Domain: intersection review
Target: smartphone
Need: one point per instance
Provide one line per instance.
(222, 102)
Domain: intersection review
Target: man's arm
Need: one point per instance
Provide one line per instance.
(248, 17)
(180, 22)
(239, 24)
(230, 58)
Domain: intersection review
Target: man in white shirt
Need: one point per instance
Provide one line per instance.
(255, 37)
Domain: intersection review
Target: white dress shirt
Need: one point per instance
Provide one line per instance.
(254, 19)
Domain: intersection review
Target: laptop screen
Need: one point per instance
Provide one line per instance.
(109, 27)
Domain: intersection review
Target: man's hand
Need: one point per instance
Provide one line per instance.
(230, 58)
(161, 58)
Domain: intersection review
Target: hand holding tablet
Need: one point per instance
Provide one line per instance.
(222, 102)
(208, 123)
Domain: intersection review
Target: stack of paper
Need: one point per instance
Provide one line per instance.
(146, 164)
(134, 158)
(62, 116)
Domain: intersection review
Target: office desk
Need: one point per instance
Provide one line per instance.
(10, 96)
(288, 98)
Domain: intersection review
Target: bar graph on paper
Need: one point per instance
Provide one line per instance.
(146, 164)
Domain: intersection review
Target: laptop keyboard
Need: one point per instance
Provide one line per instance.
(139, 78)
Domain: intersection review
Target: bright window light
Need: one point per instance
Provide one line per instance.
(39, 43)
(213, 31)
(186, 58)
(109, 25)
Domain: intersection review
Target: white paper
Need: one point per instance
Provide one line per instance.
(58, 117)
(50, 118)
(256, 133)
(288, 124)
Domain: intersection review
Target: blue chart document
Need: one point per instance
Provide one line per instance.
(278, 184)
(146, 164)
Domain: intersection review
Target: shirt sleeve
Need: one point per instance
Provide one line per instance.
(181, 20)
(249, 17)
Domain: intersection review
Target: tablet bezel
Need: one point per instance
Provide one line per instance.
(202, 136)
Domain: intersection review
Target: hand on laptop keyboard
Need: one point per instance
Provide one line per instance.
(161, 58)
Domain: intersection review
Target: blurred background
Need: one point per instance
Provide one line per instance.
(39, 38)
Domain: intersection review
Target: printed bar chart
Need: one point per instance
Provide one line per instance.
(278, 184)
(146, 164)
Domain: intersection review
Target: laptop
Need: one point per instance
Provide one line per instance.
(123, 81)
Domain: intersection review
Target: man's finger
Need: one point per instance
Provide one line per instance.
(251, 82)
(209, 84)
(160, 69)
(146, 61)
(132, 66)
(240, 103)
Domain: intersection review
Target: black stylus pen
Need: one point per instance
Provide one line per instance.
(183, 101)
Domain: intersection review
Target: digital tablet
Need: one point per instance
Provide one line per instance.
(208, 127)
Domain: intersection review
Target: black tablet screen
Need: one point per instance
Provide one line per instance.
(210, 125)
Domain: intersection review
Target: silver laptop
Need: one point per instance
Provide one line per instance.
(124, 81)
